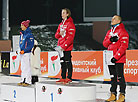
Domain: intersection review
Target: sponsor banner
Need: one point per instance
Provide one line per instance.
(15, 64)
(50, 64)
(53, 64)
(131, 66)
(44, 63)
(87, 65)
(5, 62)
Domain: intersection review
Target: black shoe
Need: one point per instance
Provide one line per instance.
(34, 79)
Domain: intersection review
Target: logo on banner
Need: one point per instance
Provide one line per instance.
(5, 64)
(13, 59)
(44, 63)
(60, 91)
(53, 64)
(43, 88)
(53, 58)
(43, 67)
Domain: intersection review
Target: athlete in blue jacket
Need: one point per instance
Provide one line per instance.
(26, 44)
(26, 41)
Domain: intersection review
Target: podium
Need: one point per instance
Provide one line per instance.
(49, 91)
(11, 92)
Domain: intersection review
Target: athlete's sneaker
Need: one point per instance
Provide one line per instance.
(67, 81)
(60, 81)
(121, 98)
(26, 84)
(20, 84)
(112, 98)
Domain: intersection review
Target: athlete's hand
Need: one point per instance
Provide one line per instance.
(114, 39)
(113, 60)
(16, 52)
(62, 32)
(22, 52)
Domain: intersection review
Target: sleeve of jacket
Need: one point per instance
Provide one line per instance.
(21, 35)
(19, 42)
(57, 35)
(123, 47)
(29, 43)
(71, 33)
(106, 41)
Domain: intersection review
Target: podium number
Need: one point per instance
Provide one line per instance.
(14, 93)
(51, 97)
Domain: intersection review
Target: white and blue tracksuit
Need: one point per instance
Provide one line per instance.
(26, 44)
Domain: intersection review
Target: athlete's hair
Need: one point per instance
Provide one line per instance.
(68, 11)
(119, 18)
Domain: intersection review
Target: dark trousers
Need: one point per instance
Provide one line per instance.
(117, 74)
(66, 65)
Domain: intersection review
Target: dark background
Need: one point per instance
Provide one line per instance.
(48, 11)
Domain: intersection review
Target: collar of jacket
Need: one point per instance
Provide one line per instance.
(69, 20)
(115, 25)
(28, 30)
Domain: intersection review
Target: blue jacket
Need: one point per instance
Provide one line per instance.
(26, 40)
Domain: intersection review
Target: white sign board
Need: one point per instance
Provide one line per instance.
(15, 43)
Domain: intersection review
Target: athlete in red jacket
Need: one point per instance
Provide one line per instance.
(65, 41)
(65, 35)
(117, 40)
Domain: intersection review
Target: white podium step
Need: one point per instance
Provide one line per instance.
(11, 92)
(49, 91)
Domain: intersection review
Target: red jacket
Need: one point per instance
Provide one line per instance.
(119, 48)
(66, 41)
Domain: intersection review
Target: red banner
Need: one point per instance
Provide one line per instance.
(131, 66)
(87, 65)
(44, 62)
